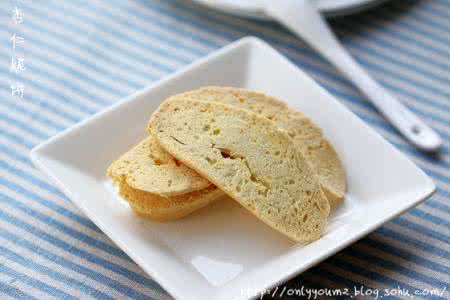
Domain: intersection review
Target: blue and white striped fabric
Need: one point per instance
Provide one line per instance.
(82, 56)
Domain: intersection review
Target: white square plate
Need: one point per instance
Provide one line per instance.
(222, 252)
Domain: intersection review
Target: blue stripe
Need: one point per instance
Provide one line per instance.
(68, 264)
(421, 155)
(88, 290)
(14, 293)
(100, 40)
(429, 217)
(381, 124)
(92, 50)
(52, 91)
(36, 181)
(22, 174)
(440, 206)
(379, 261)
(19, 124)
(378, 123)
(83, 238)
(16, 139)
(142, 30)
(322, 272)
(71, 72)
(44, 105)
(10, 199)
(440, 119)
(72, 249)
(50, 290)
(409, 240)
(50, 204)
(340, 262)
(364, 62)
(407, 255)
(406, 24)
(197, 15)
(36, 116)
(422, 80)
(289, 45)
(64, 53)
(394, 74)
(133, 41)
(13, 201)
(422, 229)
(423, 19)
(392, 32)
(436, 10)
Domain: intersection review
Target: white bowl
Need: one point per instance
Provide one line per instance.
(255, 8)
(222, 252)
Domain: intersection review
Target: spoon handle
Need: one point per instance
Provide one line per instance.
(302, 18)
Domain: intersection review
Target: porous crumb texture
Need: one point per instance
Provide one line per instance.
(307, 136)
(249, 158)
(148, 167)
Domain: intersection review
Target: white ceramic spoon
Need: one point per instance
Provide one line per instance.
(302, 18)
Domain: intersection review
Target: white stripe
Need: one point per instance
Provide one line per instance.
(33, 107)
(405, 31)
(440, 228)
(443, 20)
(18, 284)
(128, 46)
(51, 64)
(278, 35)
(75, 259)
(45, 130)
(381, 74)
(76, 51)
(404, 72)
(443, 171)
(19, 197)
(393, 275)
(424, 77)
(131, 266)
(131, 31)
(424, 237)
(435, 212)
(31, 138)
(353, 107)
(30, 255)
(45, 98)
(122, 54)
(46, 279)
(171, 21)
(416, 20)
(357, 278)
(68, 206)
(151, 24)
(406, 263)
(408, 248)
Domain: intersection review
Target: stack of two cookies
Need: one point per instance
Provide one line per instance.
(216, 141)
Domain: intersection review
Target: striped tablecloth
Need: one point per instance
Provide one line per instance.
(73, 58)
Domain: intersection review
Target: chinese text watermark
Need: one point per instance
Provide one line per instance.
(17, 60)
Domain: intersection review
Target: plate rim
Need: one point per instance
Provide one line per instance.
(333, 8)
(39, 151)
